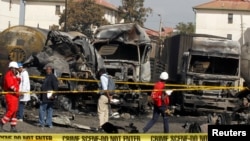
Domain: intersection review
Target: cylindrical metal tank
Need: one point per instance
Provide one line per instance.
(19, 42)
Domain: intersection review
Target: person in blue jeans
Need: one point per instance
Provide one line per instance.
(160, 99)
(49, 85)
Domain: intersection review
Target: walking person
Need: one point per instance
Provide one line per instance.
(104, 99)
(49, 85)
(11, 86)
(24, 89)
(161, 101)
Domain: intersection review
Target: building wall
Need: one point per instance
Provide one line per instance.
(110, 16)
(45, 15)
(38, 14)
(215, 22)
(9, 14)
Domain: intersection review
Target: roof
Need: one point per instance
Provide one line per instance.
(103, 3)
(54, 1)
(106, 4)
(237, 5)
(166, 31)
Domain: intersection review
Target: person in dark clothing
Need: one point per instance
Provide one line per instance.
(49, 85)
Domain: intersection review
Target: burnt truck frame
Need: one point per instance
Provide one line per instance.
(201, 63)
(125, 49)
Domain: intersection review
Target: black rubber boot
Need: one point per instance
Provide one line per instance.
(13, 129)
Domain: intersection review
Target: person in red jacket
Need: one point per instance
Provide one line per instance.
(11, 86)
(161, 101)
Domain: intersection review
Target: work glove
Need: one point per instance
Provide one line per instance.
(168, 92)
(49, 94)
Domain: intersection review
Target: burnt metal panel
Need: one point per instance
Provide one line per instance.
(129, 33)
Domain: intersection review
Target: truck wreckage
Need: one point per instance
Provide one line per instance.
(207, 68)
(125, 51)
(212, 76)
(76, 60)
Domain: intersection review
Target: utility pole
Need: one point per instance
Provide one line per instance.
(160, 43)
(160, 26)
(65, 20)
(22, 12)
(242, 29)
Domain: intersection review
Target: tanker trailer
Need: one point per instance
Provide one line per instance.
(126, 50)
(19, 42)
(70, 54)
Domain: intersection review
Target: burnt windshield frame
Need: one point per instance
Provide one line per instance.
(119, 51)
(214, 65)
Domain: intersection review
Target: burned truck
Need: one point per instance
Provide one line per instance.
(73, 58)
(122, 49)
(204, 71)
(125, 49)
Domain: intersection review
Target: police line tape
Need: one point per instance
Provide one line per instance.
(134, 83)
(176, 87)
(103, 137)
(122, 91)
(122, 82)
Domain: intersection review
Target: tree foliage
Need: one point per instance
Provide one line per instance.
(79, 16)
(133, 11)
(185, 28)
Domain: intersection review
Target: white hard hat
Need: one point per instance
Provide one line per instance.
(13, 64)
(164, 76)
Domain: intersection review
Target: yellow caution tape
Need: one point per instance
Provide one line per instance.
(102, 137)
(173, 87)
(123, 91)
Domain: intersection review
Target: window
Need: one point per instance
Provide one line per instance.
(58, 10)
(229, 36)
(230, 18)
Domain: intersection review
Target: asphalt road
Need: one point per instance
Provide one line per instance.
(88, 122)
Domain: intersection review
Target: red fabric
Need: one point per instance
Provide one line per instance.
(157, 94)
(11, 84)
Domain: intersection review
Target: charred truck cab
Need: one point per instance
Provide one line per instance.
(201, 63)
(125, 49)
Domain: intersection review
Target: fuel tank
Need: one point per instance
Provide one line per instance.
(19, 42)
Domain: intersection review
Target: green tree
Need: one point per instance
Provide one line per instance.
(79, 16)
(133, 11)
(185, 28)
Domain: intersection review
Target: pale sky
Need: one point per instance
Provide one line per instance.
(171, 11)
